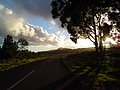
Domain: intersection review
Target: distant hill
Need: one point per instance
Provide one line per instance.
(63, 52)
(64, 48)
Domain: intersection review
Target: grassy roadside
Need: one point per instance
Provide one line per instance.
(9, 64)
(91, 74)
(76, 61)
(60, 53)
(13, 63)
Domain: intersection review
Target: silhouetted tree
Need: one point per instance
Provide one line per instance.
(0, 48)
(0, 51)
(87, 18)
(9, 47)
(23, 43)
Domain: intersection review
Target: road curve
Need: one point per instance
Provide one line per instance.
(35, 77)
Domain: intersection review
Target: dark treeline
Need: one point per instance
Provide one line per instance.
(12, 49)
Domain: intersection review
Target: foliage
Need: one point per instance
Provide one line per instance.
(13, 49)
(22, 43)
(87, 18)
(9, 47)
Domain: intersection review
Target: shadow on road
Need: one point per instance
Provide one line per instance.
(79, 80)
(75, 81)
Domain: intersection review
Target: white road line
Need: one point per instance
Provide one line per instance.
(21, 80)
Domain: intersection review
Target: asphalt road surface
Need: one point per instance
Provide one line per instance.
(49, 74)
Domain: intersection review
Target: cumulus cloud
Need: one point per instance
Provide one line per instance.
(9, 24)
(39, 36)
(16, 26)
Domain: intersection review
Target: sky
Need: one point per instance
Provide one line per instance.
(32, 20)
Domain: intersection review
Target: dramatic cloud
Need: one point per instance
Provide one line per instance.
(16, 26)
(33, 7)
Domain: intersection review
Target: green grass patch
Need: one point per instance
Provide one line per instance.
(81, 60)
(92, 73)
(9, 64)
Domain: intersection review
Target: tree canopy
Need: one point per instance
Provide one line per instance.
(12, 48)
(22, 42)
(92, 19)
(9, 47)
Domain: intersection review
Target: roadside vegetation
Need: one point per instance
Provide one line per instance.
(25, 57)
(15, 53)
(12, 63)
(91, 73)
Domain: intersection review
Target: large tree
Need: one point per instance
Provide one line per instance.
(9, 47)
(92, 19)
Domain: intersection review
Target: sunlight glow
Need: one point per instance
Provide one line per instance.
(84, 43)
(110, 40)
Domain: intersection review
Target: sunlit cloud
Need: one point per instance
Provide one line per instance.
(17, 27)
(53, 22)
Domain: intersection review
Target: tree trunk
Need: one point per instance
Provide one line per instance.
(96, 41)
(101, 50)
(96, 47)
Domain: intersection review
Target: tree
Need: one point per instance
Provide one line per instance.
(0, 48)
(23, 43)
(92, 19)
(9, 47)
(0, 51)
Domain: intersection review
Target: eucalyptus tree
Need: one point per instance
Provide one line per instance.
(92, 19)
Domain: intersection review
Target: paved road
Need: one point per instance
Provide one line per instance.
(41, 75)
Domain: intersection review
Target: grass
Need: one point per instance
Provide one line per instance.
(80, 60)
(9, 64)
(93, 75)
